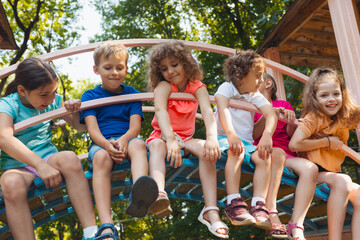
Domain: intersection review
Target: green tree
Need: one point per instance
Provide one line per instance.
(40, 27)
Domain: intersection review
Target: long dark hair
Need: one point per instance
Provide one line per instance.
(32, 73)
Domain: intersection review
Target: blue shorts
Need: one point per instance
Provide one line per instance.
(94, 148)
(249, 149)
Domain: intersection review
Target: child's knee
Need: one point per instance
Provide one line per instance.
(136, 145)
(157, 145)
(342, 184)
(72, 162)
(13, 187)
(260, 162)
(102, 159)
(355, 198)
(278, 157)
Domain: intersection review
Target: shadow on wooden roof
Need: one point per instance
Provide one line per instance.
(7, 40)
(305, 35)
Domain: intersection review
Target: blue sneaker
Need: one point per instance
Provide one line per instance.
(114, 235)
(83, 238)
(143, 193)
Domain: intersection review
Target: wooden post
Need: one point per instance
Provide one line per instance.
(274, 55)
(348, 41)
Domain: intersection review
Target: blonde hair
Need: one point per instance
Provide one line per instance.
(238, 66)
(349, 113)
(110, 48)
(175, 49)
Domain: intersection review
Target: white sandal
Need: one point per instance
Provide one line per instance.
(216, 225)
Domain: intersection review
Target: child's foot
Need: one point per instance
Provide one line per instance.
(238, 214)
(209, 216)
(278, 229)
(107, 231)
(143, 194)
(261, 215)
(295, 231)
(161, 207)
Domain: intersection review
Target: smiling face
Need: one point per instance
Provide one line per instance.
(253, 80)
(112, 71)
(38, 98)
(173, 71)
(329, 96)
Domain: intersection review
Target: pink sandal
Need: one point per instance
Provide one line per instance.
(290, 227)
(278, 230)
(161, 207)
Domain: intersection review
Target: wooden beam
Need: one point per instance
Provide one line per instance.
(310, 48)
(296, 16)
(297, 59)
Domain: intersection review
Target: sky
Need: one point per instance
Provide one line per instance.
(81, 65)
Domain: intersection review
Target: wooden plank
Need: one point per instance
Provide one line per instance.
(310, 48)
(311, 36)
(318, 25)
(309, 60)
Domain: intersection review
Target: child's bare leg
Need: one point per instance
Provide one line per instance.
(261, 175)
(277, 168)
(305, 189)
(208, 176)
(137, 155)
(233, 172)
(15, 185)
(77, 185)
(157, 149)
(340, 188)
(355, 200)
(102, 165)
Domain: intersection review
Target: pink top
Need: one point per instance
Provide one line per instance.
(181, 113)
(280, 137)
(329, 159)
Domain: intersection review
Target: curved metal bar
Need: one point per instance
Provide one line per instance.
(141, 42)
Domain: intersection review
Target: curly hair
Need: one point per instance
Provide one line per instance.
(238, 66)
(349, 113)
(174, 49)
(110, 48)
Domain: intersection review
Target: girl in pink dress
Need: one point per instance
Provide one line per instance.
(304, 169)
(173, 69)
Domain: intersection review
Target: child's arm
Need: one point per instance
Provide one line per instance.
(73, 105)
(16, 149)
(222, 105)
(110, 146)
(300, 142)
(265, 144)
(161, 98)
(211, 149)
(133, 132)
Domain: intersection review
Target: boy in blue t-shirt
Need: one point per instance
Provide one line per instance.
(114, 131)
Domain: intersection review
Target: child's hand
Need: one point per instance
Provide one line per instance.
(123, 145)
(286, 114)
(113, 149)
(50, 176)
(211, 149)
(72, 105)
(174, 153)
(235, 144)
(264, 147)
(335, 143)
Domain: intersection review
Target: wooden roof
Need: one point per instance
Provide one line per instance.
(305, 35)
(7, 40)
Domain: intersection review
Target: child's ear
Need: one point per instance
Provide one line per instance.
(268, 83)
(95, 70)
(21, 90)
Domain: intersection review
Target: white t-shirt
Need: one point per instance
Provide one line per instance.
(242, 120)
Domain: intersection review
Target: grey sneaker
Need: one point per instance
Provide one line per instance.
(237, 213)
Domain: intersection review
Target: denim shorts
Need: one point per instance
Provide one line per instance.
(30, 169)
(94, 148)
(249, 149)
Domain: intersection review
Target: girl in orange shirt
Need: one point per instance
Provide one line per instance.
(328, 114)
(173, 69)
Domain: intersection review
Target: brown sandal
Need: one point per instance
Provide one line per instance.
(161, 207)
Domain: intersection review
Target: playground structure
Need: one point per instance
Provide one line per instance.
(184, 182)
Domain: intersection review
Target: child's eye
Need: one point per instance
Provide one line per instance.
(163, 69)
(107, 68)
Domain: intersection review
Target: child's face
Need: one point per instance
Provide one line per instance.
(39, 98)
(253, 80)
(112, 71)
(173, 71)
(329, 96)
